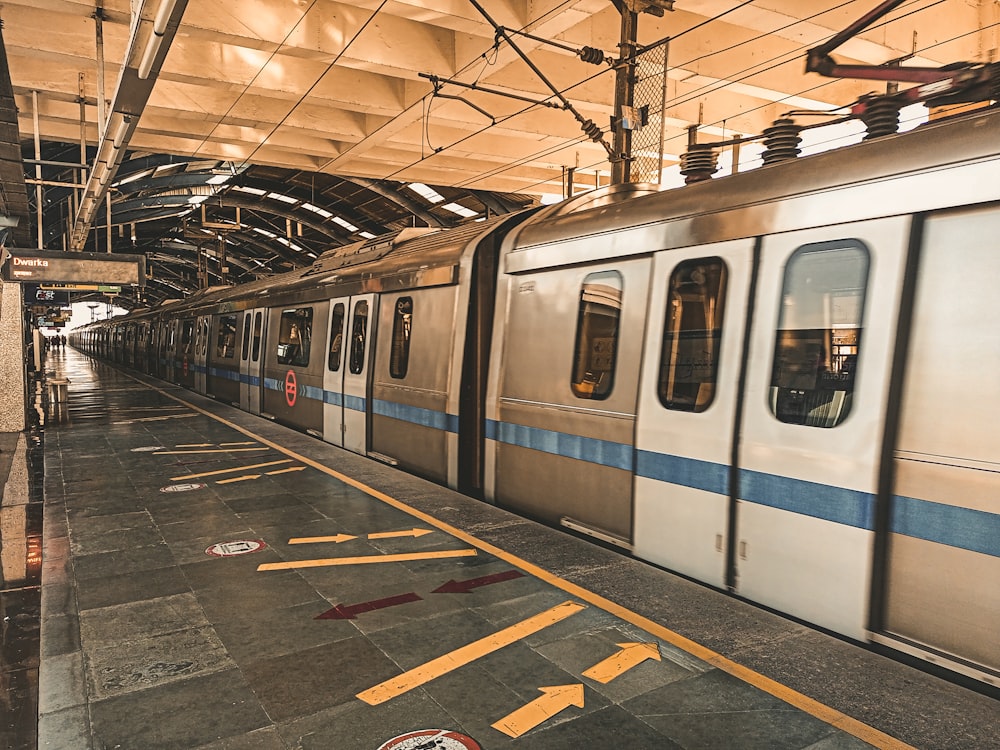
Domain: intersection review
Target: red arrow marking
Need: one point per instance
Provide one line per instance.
(465, 587)
(342, 612)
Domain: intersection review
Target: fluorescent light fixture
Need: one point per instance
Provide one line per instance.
(218, 179)
(345, 224)
(163, 16)
(120, 132)
(367, 235)
(251, 190)
(282, 198)
(160, 22)
(196, 199)
(264, 232)
(457, 208)
(428, 193)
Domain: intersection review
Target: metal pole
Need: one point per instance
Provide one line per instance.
(38, 168)
(663, 109)
(78, 194)
(621, 159)
(108, 198)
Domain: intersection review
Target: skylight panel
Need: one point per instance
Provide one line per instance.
(428, 193)
(251, 190)
(282, 198)
(345, 224)
(317, 210)
(457, 208)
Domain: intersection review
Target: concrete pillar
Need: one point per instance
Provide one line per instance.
(12, 386)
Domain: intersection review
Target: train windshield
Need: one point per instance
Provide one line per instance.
(819, 333)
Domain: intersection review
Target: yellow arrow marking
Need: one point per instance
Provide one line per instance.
(213, 450)
(467, 654)
(553, 700)
(244, 478)
(285, 471)
(408, 532)
(630, 655)
(367, 559)
(245, 442)
(315, 539)
(237, 468)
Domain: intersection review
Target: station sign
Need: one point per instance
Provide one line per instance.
(39, 266)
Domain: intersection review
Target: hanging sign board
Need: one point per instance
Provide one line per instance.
(39, 266)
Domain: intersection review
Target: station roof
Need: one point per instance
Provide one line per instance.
(321, 121)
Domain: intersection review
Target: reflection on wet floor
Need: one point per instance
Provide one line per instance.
(21, 511)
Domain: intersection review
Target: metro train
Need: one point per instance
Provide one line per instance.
(783, 383)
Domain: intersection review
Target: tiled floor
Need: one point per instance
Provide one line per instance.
(153, 640)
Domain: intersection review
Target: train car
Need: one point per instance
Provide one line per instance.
(773, 383)
(740, 381)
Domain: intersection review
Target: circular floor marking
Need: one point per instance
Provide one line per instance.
(183, 487)
(234, 548)
(431, 739)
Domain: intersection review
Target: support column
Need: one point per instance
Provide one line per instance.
(13, 398)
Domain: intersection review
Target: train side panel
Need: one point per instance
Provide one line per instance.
(410, 423)
(566, 389)
(943, 553)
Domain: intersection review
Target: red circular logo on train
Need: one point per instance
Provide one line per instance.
(291, 388)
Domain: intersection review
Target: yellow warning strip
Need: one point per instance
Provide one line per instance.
(235, 469)
(213, 450)
(831, 716)
(406, 557)
(245, 442)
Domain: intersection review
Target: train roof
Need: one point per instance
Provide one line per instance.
(777, 197)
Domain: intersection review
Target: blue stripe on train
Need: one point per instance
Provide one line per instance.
(437, 420)
(966, 528)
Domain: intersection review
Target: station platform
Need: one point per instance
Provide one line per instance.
(214, 580)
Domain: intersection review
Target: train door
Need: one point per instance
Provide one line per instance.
(168, 351)
(251, 359)
(201, 354)
(687, 407)
(333, 373)
(346, 389)
(814, 413)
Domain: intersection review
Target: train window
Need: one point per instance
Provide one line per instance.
(245, 347)
(597, 335)
(187, 334)
(402, 322)
(336, 337)
(295, 336)
(225, 343)
(359, 329)
(692, 333)
(819, 333)
(258, 327)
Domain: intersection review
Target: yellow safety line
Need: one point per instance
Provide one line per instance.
(831, 716)
(230, 471)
